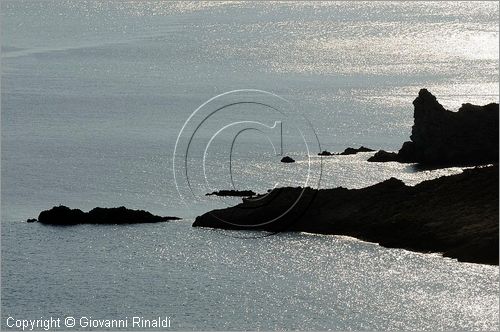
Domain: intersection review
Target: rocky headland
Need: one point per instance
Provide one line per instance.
(454, 215)
(63, 215)
(442, 137)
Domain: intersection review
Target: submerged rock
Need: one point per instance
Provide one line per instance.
(455, 215)
(287, 159)
(242, 193)
(63, 215)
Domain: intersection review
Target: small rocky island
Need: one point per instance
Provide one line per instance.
(346, 152)
(287, 160)
(63, 215)
(233, 193)
(442, 137)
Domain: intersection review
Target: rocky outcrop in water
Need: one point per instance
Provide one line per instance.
(439, 136)
(235, 193)
(350, 151)
(382, 156)
(455, 215)
(326, 153)
(63, 215)
(287, 159)
(346, 152)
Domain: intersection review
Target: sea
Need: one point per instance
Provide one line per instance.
(152, 104)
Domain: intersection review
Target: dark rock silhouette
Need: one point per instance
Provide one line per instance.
(439, 136)
(350, 151)
(455, 215)
(326, 153)
(242, 193)
(346, 152)
(287, 159)
(31, 220)
(62, 215)
(384, 156)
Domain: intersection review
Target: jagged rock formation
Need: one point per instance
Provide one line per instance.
(350, 151)
(326, 153)
(63, 215)
(455, 215)
(439, 136)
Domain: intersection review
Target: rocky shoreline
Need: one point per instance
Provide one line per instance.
(454, 215)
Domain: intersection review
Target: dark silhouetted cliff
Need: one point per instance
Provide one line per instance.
(439, 136)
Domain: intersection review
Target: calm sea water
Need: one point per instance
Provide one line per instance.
(95, 93)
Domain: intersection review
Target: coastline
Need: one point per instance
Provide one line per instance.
(124, 121)
(454, 215)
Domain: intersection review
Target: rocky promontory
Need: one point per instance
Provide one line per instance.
(63, 215)
(439, 136)
(454, 215)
